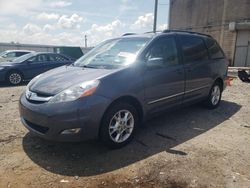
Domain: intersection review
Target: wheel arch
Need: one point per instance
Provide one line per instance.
(220, 81)
(13, 70)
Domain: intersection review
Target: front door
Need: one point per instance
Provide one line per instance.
(35, 66)
(164, 75)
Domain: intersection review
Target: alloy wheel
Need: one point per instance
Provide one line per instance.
(215, 95)
(15, 78)
(121, 126)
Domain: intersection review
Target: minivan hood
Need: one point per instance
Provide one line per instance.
(59, 79)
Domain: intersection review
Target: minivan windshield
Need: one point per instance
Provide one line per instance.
(114, 53)
(23, 58)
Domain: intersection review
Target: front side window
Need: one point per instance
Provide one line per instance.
(38, 58)
(164, 50)
(194, 49)
(33, 59)
(113, 53)
(42, 58)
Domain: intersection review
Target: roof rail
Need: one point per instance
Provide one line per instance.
(126, 34)
(184, 31)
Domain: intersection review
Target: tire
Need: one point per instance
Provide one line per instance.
(112, 125)
(214, 97)
(14, 78)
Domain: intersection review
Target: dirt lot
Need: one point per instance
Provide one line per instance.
(191, 147)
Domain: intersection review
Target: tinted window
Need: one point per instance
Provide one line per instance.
(42, 58)
(18, 54)
(194, 49)
(32, 59)
(214, 49)
(165, 49)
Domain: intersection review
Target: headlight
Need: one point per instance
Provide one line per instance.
(1, 68)
(77, 91)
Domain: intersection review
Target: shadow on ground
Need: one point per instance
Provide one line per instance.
(158, 135)
(5, 84)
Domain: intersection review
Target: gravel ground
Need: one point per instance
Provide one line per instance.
(191, 147)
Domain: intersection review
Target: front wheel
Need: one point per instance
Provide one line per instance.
(14, 78)
(214, 98)
(119, 124)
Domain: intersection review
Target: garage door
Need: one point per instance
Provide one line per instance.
(242, 53)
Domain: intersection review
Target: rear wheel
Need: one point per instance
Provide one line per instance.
(14, 78)
(119, 124)
(214, 98)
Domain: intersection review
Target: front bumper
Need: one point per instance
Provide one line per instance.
(50, 120)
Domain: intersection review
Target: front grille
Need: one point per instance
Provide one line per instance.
(35, 102)
(36, 127)
(37, 98)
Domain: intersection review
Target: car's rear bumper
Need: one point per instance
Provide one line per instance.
(50, 120)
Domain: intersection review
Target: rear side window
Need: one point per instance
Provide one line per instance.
(57, 58)
(165, 49)
(214, 49)
(194, 49)
(18, 54)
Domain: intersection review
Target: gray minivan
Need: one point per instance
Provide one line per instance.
(121, 83)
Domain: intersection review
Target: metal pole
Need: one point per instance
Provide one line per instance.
(155, 15)
(86, 45)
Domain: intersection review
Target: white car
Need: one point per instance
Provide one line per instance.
(10, 55)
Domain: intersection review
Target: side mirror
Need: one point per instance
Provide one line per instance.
(154, 63)
(28, 61)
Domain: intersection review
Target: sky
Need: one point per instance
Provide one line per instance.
(66, 22)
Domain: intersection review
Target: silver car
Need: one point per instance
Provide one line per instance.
(10, 55)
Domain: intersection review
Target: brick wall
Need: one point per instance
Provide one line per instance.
(211, 17)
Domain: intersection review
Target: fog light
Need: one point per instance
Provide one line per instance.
(71, 131)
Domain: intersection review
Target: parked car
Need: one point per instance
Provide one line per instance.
(122, 82)
(30, 65)
(10, 55)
